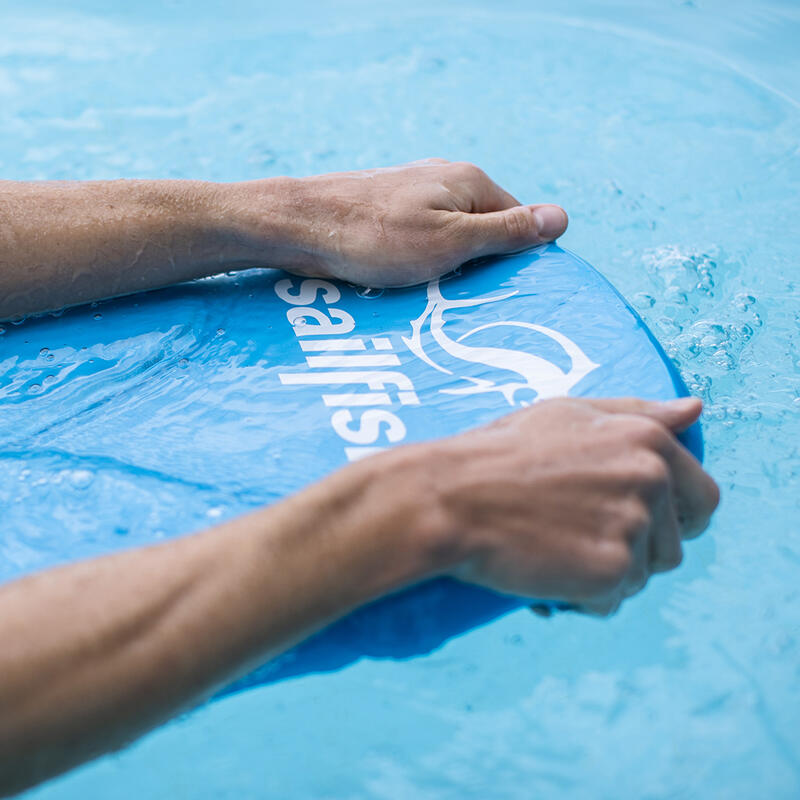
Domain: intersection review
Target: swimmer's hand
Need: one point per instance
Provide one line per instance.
(66, 243)
(576, 501)
(391, 227)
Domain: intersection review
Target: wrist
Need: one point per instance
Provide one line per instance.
(411, 521)
(379, 524)
(263, 223)
(388, 505)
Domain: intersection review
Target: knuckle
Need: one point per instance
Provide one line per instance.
(670, 561)
(648, 432)
(468, 171)
(633, 518)
(675, 559)
(610, 568)
(652, 473)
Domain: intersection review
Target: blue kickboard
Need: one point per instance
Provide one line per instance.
(166, 413)
(435, 360)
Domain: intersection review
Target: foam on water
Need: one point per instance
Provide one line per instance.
(671, 133)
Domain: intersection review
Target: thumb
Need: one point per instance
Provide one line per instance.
(677, 415)
(514, 228)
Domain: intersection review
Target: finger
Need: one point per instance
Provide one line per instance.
(487, 196)
(473, 191)
(696, 494)
(603, 606)
(677, 415)
(665, 550)
(512, 229)
(639, 573)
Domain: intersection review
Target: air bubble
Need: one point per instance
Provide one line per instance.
(675, 295)
(81, 478)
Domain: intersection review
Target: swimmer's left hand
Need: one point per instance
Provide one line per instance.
(66, 243)
(386, 227)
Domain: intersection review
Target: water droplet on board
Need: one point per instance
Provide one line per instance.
(98, 316)
(35, 388)
(2, 330)
(183, 363)
(367, 293)
(44, 351)
(220, 331)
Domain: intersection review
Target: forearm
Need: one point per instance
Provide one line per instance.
(63, 244)
(96, 653)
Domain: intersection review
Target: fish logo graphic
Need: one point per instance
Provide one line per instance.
(543, 377)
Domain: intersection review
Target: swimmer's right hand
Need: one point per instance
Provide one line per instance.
(577, 501)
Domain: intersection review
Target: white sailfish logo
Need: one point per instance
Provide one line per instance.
(538, 374)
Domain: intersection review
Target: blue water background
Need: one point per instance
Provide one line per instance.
(671, 133)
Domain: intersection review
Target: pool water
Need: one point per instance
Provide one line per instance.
(671, 133)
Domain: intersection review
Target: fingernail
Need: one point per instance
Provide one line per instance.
(551, 221)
